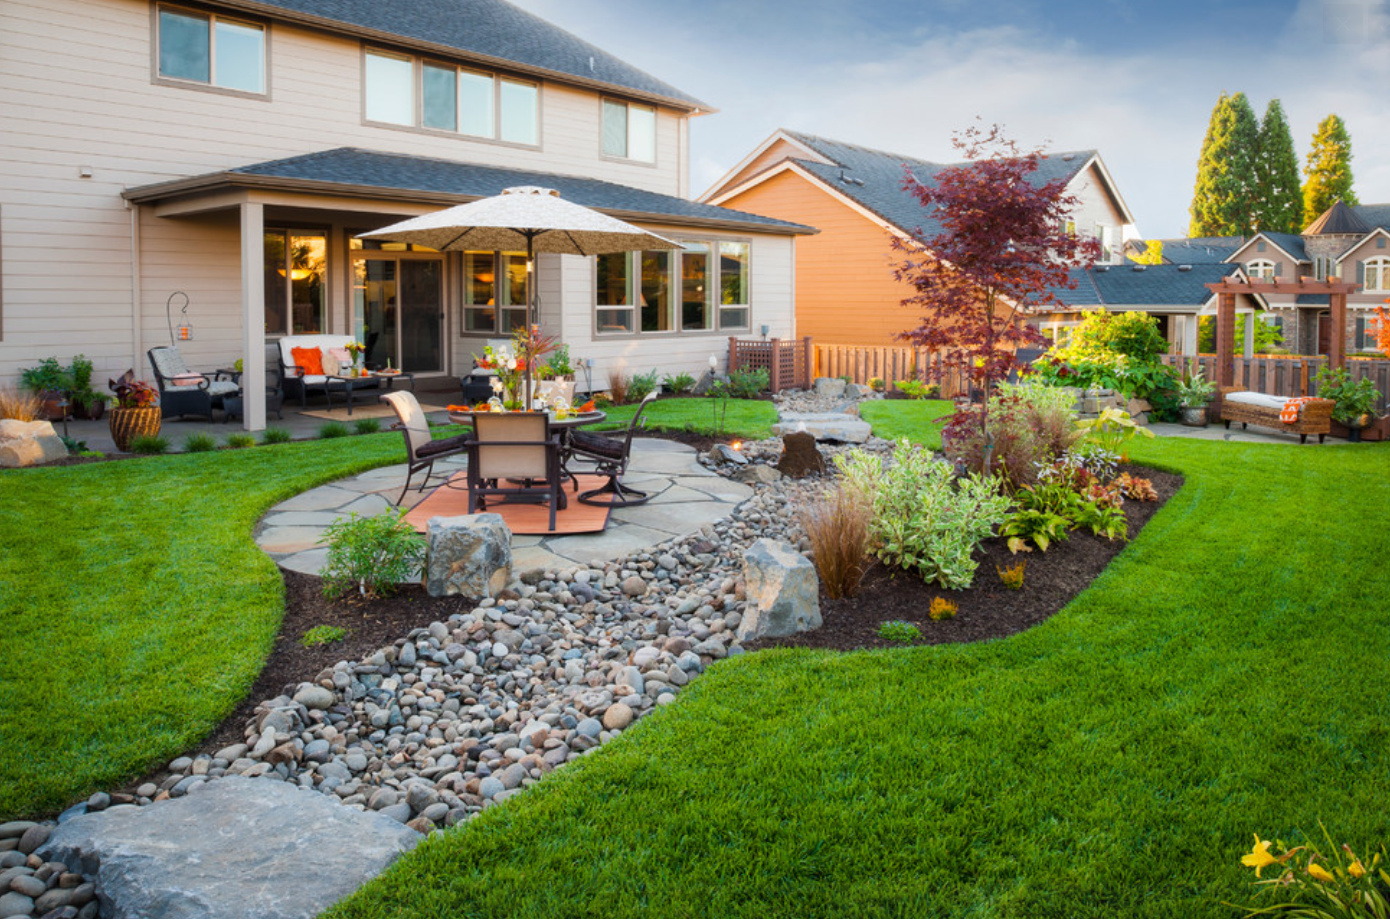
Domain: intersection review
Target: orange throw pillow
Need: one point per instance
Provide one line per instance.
(310, 360)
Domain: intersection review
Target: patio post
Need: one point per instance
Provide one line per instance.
(1248, 346)
(1225, 339)
(253, 315)
(1337, 347)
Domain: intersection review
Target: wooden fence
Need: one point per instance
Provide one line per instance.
(1286, 376)
(862, 363)
(788, 363)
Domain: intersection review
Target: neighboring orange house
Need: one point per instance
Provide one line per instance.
(845, 290)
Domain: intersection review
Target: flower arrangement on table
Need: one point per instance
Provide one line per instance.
(356, 349)
(511, 362)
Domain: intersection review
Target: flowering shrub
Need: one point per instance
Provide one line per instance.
(1116, 351)
(922, 519)
(941, 608)
(1313, 884)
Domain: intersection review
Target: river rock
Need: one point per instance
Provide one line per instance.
(468, 556)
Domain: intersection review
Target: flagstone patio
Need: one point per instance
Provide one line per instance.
(685, 497)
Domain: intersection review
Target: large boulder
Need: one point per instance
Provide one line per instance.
(29, 443)
(829, 387)
(782, 589)
(232, 848)
(825, 426)
(800, 457)
(468, 556)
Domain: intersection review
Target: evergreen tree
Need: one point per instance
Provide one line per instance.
(1223, 200)
(1278, 205)
(1328, 169)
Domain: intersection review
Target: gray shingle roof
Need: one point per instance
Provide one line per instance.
(1290, 243)
(874, 178)
(1375, 215)
(1133, 286)
(369, 169)
(1203, 250)
(492, 29)
(1339, 219)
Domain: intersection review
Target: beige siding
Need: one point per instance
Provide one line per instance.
(1095, 207)
(76, 91)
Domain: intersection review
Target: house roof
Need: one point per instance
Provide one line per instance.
(368, 173)
(873, 179)
(1201, 250)
(490, 31)
(1374, 215)
(1290, 244)
(1339, 219)
(1139, 286)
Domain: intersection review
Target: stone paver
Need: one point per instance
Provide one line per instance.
(685, 496)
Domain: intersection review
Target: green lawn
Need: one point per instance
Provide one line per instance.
(751, 419)
(1225, 676)
(915, 419)
(136, 609)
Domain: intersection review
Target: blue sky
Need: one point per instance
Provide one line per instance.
(1136, 81)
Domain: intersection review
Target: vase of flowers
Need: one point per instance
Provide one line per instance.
(356, 349)
(136, 412)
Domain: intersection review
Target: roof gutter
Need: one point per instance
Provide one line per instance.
(338, 27)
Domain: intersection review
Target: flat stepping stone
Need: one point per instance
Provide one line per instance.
(826, 426)
(233, 848)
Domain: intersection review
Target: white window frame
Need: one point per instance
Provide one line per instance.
(213, 19)
(1381, 266)
(1261, 269)
(714, 304)
(417, 98)
(628, 108)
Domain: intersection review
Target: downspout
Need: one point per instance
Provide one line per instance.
(136, 293)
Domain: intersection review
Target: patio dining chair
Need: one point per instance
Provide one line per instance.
(610, 457)
(421, 449)
(514, 455)
(183, 391)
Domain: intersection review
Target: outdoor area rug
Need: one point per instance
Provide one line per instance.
(364, 407)
(521, 518)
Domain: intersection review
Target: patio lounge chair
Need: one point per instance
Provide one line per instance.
(514, 455)
(420, 449)
(610, 457)
(184, 392)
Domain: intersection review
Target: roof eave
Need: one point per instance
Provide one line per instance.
(270, 11)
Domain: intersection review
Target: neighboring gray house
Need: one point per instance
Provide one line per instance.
(234, 149)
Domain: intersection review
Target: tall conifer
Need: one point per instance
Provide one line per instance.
(1278, 205)
(1328, 169)
(1222, 202)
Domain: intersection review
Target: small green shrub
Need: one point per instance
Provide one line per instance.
(331, 429)
(199, 443)
(75, 447)
(1029, 426)
(747, 384)
(904, 633)
(322, 635)
(275, 436)
(366, 425)
(642, 385)
(149, 444)
(241, 441)
(1112, 429)
(678, 384)
(1353, 399)
(95, 454)
(924, 520)
(916, 389)
(876, 384)
(370, 554)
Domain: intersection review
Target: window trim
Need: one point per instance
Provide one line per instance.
(289, 230)
(628, 107)
(712, 299)
(417, 91)
(1382, 263)
(1254, 268)
(159, 79)
(500, 263)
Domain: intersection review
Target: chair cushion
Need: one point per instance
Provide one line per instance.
(444, 445)
(1257, 399)
(310, 360)
(186, 379)
(223, 388)
(169, 362)
(597, 444)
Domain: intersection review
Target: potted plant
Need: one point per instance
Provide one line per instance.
(1194, 392)
(51, 382)
(87, 402)
(136, 412)
(1355, 401)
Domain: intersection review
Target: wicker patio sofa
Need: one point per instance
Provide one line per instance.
(1257, 408)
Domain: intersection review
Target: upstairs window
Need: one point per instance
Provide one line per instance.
(1377, 275)
(204, 48)
(407, 91)
(1260, 270)
(629, 131)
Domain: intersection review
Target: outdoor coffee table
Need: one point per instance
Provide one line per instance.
(374, 378)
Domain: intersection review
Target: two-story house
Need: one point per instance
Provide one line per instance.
(845, 290)
(233, 150)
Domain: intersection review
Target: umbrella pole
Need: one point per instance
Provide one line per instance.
(529, 384)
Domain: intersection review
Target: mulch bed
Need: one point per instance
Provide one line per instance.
(987, 610)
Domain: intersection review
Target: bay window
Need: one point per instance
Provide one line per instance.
(411, 92)
(685, 290)
(206, 48)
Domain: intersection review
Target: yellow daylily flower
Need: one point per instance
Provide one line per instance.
(1318, 872)
(1356, 869)
(1259, 857)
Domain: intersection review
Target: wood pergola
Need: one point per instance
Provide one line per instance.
(1229, 288)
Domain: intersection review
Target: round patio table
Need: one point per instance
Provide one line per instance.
(564, 425)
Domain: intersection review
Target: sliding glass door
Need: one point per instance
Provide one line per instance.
(398, 310)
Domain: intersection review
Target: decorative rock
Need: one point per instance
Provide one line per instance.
(800, 457)
(233, 848)
(783, 593)
(723, 453)
(825, 426)
(617, 717)
(29, 443)
(634, 586)
(34, 837)
(757, 474)
(829, 387)
(16, 904)
(315, 698)
(491, 787)
(469, 556)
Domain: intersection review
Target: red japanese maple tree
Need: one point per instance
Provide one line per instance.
(1003, 247)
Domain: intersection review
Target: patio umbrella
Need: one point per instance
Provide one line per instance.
(525, 217)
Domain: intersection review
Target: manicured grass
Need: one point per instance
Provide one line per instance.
(1225, 676)
(915, 419)
(136, 609)
(748, 418)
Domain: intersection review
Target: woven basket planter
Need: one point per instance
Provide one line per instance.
(130, 423)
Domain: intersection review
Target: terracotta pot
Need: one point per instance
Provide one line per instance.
(130, 423)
